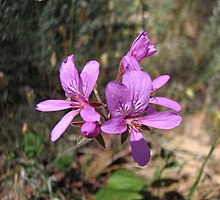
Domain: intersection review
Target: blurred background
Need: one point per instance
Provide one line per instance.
(35, 36)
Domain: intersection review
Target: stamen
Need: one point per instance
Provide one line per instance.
(134, 124)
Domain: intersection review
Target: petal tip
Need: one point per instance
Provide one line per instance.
(53, 138)
(167, 76)
(142, 164)
(179, 119)
(179, 108)
(140, 149)
(68, 58)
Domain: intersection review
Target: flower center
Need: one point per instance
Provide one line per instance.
(133, 123)
(75, 104)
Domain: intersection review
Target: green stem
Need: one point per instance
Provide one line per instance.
(193, 188)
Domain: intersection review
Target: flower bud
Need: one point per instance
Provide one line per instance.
(141, 47)
(90, 129)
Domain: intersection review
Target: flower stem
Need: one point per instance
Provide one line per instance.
(120, 72)
(193, 188)
(104, 113)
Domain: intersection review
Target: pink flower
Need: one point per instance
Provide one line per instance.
(77, 89)
(130, 63)
(128, 102)
(141, 47)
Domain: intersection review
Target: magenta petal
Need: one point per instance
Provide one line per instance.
(53, 105)
(150, 110)
(152, 50)
(69, 77)
(168, 103)
(114, 125)
(143, 36)
(89, 114)
(90, 129)
(162, 120)
(89, 76)
(139, 84)
(130, 63)
(118, 99)
(63, 124)
(140, 149)
(159, 82)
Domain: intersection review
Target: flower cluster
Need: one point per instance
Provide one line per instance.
(129, 101)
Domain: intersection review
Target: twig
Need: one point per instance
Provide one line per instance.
(193, 188)
(120, 72)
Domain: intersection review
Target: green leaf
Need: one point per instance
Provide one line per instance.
(28, 165)
(158, 173)
(125, 181)
(166, 154)
(122, 185)
(33, 145)
(172, 164)
(124, 136)
(65, 163)
(100, 140)
(10, 155)
(110, 194)
(82, 139)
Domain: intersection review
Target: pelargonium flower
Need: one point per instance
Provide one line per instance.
(141, 47)
(128, 102)
(77, 89)
(130, 63)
